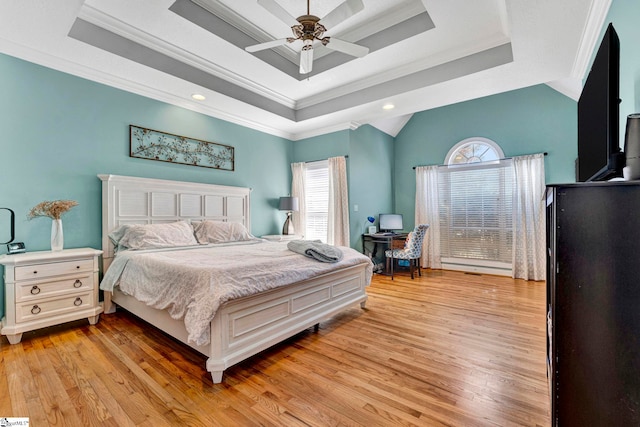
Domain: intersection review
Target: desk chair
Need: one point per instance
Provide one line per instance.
(412, 250)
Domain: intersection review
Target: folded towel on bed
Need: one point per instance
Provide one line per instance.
(316, 249)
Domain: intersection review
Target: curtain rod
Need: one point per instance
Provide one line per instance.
(505, 158)
(322, 160)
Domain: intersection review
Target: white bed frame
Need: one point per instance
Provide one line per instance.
(240, 328)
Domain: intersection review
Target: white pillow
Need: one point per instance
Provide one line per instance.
(149, 236)
(220, 232)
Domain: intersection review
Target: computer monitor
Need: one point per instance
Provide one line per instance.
(390, 222)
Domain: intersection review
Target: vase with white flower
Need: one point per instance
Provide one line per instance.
(54, 210)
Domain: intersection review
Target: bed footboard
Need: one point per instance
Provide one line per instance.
(247, 326)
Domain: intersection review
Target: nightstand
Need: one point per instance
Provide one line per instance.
(48, 288)
(282, 237)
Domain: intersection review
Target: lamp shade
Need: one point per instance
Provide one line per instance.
(288, 204)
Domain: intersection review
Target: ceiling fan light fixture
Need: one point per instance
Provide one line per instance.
(306, 57)
(308, 28)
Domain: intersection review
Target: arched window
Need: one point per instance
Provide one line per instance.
(475, 205)
(474, 150)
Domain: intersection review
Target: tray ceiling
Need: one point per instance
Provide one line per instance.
(423, 54)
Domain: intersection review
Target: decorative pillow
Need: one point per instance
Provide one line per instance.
(149, 236)
(220, 232)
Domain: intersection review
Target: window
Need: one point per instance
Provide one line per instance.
(476, 205)
(317, 200)
(474, 150)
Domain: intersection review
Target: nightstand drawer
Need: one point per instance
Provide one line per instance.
(32, 290)
(26, 312)
(53, 269)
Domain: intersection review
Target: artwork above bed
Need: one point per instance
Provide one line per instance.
(166, 147)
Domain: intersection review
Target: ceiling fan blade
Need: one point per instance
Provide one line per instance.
(265, 45)
(342, 12)
(346, 47)
(306, 61)
(279, 12)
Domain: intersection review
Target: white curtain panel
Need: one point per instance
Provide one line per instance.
(529, 228)
(428, 212)
(338, 219)
(297, 190)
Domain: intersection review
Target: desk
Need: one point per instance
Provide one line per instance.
(390, 241)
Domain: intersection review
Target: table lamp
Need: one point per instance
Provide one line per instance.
(289, 204)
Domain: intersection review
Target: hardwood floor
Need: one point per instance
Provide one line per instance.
(446, 349)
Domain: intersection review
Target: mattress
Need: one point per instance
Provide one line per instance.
(193, 282)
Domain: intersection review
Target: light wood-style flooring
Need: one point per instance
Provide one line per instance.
(446, 349)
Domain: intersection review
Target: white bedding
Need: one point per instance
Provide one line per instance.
(193, 282)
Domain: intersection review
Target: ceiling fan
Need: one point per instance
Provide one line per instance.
(310, 28)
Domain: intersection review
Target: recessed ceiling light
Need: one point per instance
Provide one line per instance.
(198, 97)
(388, 106)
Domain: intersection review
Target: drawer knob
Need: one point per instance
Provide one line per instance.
(78, 301)
(77, 283)
(78, 267)
(35, 271)
(35, 309)
(35, 290)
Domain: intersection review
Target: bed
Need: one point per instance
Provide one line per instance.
(247, 322)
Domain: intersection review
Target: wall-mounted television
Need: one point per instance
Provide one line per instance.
(390, 222)
(599, 154)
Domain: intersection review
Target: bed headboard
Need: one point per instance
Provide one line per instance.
(133, 200)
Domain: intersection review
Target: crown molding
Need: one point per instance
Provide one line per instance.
(238, 21)
(590, 36)
(118, 27)
(404, 70)
(298, 136)
(100, 76)
(404, 11)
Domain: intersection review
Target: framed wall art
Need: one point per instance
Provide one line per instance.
(166, 147)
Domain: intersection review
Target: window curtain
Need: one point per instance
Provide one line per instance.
(297, 190)
(338, 218)
(428, 212)
(529, 232)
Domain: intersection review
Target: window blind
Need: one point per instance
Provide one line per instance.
(317, 200)
(476, 212)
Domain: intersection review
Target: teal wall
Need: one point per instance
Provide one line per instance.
(369, 171)
(60, 131)
(322, 147)
(532, 120)
(625, 15)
